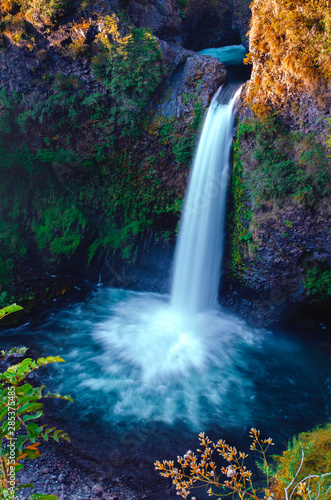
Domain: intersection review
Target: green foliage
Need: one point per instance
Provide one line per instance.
(5, 113)
(44, 11)
(230, 479)
(271, 163)
(12, 246)
(318, 281)
(60, 228)
(62, 109)
(130, 67)
(182, 5)
(76, 174)
(307, 455)
(329, 136)
(281, 164)
(4, 312)
(130, 196)
(20, 406)
(9, 310)
(239, 216)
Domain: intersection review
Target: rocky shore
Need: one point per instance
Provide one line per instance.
(63, 471)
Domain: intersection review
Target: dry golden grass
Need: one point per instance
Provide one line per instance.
(290, 48)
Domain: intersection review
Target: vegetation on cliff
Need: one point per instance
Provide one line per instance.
(290, 49)
(281, 175)
(86, 168)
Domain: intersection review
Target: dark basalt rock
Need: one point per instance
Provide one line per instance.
(163, 18)
(215, 24)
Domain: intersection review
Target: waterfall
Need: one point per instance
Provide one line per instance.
(200, 243)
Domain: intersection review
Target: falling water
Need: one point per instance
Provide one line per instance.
(143, 371)
(199, 247)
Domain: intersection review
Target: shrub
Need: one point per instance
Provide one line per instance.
(43, 12)
(233, 479)
(318, 281)
(130, 67)
(303, 472)
(20, 407)
(309, 454)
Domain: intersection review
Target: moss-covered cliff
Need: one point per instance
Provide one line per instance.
(99, 120)
(280, 252)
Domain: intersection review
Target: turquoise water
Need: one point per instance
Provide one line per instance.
(137, 368)
(232, 55)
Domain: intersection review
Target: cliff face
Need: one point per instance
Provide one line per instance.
(100, 109)
(280, 250)
(99, 120)
(215, 23)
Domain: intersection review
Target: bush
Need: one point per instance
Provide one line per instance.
(318, 281)
(309, 454)
(303, 472)
(233, 479)
(43, 12)
(20, 407)
(130, 67)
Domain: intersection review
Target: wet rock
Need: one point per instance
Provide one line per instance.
(108, 496)
(214, 24)
(24, 479)
(190, 73)
(97, 489)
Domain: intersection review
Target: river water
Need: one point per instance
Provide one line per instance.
(148, 372)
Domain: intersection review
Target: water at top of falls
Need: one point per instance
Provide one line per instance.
(229, 55)
(200, 243)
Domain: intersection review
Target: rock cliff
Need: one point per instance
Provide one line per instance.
(280, 250)
(99, 120)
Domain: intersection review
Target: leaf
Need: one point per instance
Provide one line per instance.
(32, 453)
(3, 413)
(27, 485)
(33, 430)
(9, 309)
(29, 407)
(32, 417)
(59, 396)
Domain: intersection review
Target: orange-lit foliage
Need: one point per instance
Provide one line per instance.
(316, 448)
(290, 47)
(232, 479)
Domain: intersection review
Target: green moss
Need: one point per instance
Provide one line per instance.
(282, 164)
(240, 215)
(318, 281)
(60, 229)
